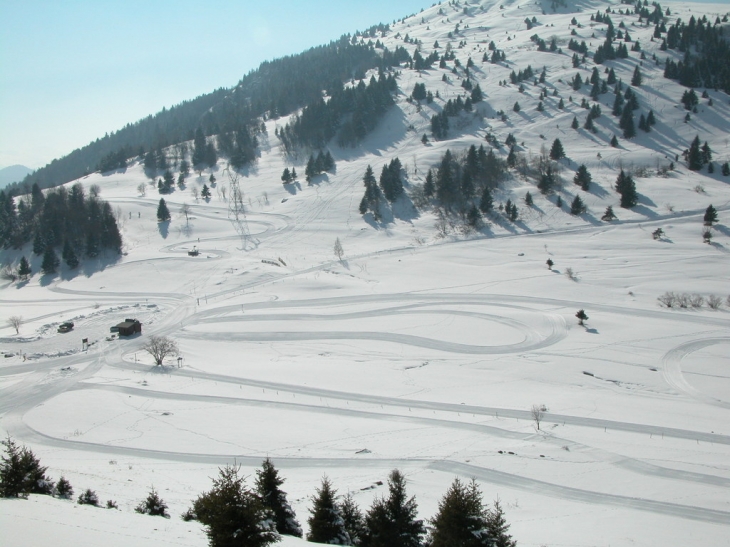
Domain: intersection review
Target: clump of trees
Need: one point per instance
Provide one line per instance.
(80, 224)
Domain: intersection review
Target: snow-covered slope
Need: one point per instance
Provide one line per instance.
(424, 348)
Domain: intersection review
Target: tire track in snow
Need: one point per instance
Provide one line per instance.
(672, 369)
(488, 475)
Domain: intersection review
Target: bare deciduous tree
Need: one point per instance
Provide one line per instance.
(339, 251)
(185, 210)
(142, 189)
(15, 321)
(160, 347)
(538, 412)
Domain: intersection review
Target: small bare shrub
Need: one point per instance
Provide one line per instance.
(696, 301)
(699, 189)
(714, 302)
(668, 299)
(570, 274)
(683, 300)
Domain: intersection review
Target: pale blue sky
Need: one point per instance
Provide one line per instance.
(73, 70)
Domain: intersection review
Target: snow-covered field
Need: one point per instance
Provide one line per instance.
(417, 350)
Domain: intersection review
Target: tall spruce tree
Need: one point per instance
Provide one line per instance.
(391, 521)
(710, 215)
(694, 158)
(234, 516)
(498, 527)
(326, 524)
(461, 520)
(21, 472)
(583, 177)
(50, 261)
(268, 484)
(353, 519)
(24, 270)
(627, 188)
(163, 213)
(556, 151)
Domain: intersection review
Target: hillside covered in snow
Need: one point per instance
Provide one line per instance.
(343, 326)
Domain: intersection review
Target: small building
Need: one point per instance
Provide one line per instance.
(129, 327)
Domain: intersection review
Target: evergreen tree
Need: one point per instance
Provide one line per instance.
(163, 212)
(627, 123)
(486, 203)
(556, 151)
(577, 207)
(608, 216)
(326, 524)
(511, 157)
(205, 192)
(614, 141)
(694, 159)
(429, 188)
(547, 181)
(199, 149)
(69, 256)
(710, 215)
(39, 243)
(21, 473)
(234, 516)
(153, 505)
(583, 177)
(725, 169)
(528, 199)
(498, 527)
(636, 79)
(64, 489)
(391, 521)
(516, 107)
(575, 124)
(627, 188)
(268, 484)
(353, 519)
(461, 520)
(24, 270)
(286, 176)
(473, 217)
(650, 119)
(50, 261)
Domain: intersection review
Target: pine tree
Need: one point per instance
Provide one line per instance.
(326, 524)
(461, 520)
(69, 256)
(627, 188)
(516, 107)
(163, 213)
(391, 521)
(50, 261)
(528, 199)
(21, 473)
(473, 217)
(353, 519)
(577, 207)
(608, 216)
(64, 489)
(286, 176)
(234, 516)
(205, 192)
(614, 141)
(24, 270)
(498, 527)
(694, 159)
(725, 169)
(582, 177)
(199, 146)
(429, 189)
(152, 505)
(547, 181)
(575, 124)
(556, 151)
(486, 203)
(511, 157)
(636, 79)
(710, 215)
(268, 484)
(39, 243)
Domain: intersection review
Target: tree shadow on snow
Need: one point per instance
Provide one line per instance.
(164, 228)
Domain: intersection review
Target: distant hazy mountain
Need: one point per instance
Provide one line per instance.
(14, 173)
